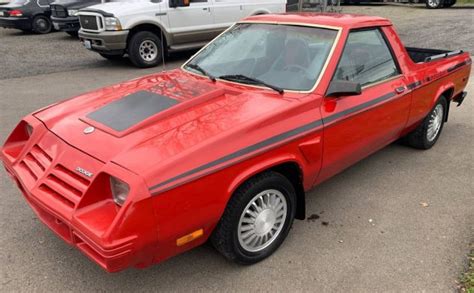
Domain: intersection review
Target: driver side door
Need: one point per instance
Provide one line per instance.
(193, 23)
(356, 126)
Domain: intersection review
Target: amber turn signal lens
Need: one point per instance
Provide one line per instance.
(190, 237)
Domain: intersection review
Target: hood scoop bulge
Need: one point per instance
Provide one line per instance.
(131, 110)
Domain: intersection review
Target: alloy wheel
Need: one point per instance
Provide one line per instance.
(262, 220)
(435, 122)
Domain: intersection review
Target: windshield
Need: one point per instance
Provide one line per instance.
(285, 56)
(18, 2)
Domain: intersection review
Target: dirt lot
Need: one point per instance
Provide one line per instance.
(406, 247)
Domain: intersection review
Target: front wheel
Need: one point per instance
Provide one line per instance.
(257, 219)
(428, 132)
(73, 34)
(145, 49)
(42, 24)
(111, 57)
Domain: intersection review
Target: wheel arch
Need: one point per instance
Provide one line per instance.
(446, 91)
(291, 168)
(33, 16)
(260, 11)
(152, 27)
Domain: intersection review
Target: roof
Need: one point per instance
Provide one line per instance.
(346, 21)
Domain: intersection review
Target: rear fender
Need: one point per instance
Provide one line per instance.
(446, 86)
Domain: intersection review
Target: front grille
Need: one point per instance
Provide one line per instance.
(65, 185)
(88, 22)
(36, 162)
(58, 11)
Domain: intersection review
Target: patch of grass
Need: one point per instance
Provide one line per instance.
(465, 1)
(467, 279)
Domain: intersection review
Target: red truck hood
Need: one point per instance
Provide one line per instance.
(153, 119)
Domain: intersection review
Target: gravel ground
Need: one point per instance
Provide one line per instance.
(29, 54)
(406, 247)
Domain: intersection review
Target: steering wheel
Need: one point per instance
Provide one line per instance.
(297, 67)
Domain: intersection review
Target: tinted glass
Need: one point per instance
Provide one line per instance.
(290, 57)
(19, 2)
(366, 58)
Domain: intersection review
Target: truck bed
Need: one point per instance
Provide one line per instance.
(420, 55)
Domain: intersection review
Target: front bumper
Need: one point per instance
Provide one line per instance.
(66, 24)
(21, 23)
(77, 208)
(106, 42)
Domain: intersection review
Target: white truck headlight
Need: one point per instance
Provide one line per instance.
(72, 12)
(112, 24)
(119, 189)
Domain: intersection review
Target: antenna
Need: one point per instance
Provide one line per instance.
(163, 50)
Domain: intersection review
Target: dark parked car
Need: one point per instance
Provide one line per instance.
(292, 5)
(27, 15)
(63, 14)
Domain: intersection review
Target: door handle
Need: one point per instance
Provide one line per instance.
(205, 8)
(400, 90)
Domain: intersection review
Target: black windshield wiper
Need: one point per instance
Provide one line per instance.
(202, 70)
(250, 80)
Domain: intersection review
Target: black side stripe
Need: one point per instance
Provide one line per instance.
(273, 140)
(277, 138)
(358, 108)
(452, 68)
(414, 85)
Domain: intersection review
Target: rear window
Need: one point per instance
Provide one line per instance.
(366, 58)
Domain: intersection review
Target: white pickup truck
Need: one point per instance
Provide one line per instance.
(147, 30)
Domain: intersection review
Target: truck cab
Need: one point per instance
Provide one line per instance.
(147, 30)
(63, 14)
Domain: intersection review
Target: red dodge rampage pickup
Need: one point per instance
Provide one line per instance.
(225, 147)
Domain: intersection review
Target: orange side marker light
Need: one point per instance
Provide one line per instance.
(190, 237)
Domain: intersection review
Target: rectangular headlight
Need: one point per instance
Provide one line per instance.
(72, 12)
(112, 24)
(119, 189)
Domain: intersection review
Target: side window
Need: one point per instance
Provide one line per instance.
(366, 58)
(43, 2)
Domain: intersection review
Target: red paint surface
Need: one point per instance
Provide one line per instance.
(212, 121)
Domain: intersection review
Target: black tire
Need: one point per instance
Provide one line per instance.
(418, 138)
(73, 34)
(139, 58)
(449, 3)
(434, 4)
(111, 57)
(41, 24)
(225, 236)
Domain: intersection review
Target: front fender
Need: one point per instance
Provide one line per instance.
(263, 165)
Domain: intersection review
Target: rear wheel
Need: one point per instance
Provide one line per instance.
(434, 4)
(428, 132)
(257, 219)
(42, 24)
(145, 49)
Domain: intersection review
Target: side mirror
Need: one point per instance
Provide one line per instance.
(179, 3)
(344, 88)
